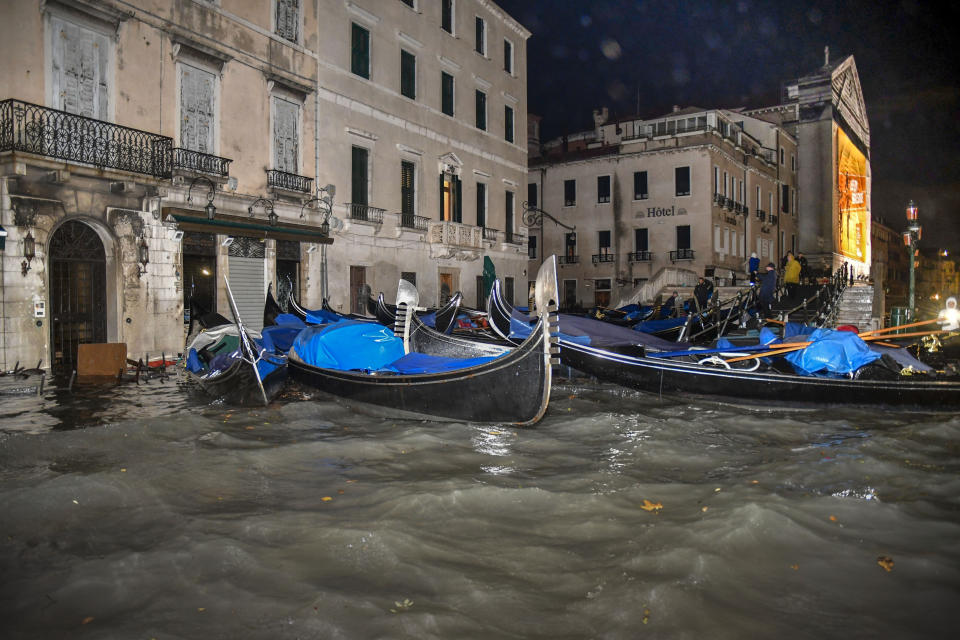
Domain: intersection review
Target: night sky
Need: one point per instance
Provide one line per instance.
(586, 54)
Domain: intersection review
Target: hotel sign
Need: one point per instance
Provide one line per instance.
(661, 212)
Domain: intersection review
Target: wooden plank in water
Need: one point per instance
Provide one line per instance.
(104, 359)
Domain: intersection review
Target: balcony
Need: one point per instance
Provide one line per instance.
(681, 254)
(410, 221)
(718, 198)
(288, 181)
(746, 210)
(761, 215)
(197, 162)
(514, 237)
(568, 259)
(52, 133)
(737, 207)
(773, 218)
(640, 256)
(602, 257)
(728, 204)
(365, 213)
(490, 234)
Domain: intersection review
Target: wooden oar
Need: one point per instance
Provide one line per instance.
(803, 345)
(897, 328)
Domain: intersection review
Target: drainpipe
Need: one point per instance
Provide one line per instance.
(316, 151)
(4, 207)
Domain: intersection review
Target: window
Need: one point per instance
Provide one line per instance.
(759, 203)
(726, 184)
(481, 204)
(532, 194)
(570, 245)
(508, 123)
(409, 276)
(508, 208)
(408, 193)
(508, 290)
(412, 5)
(288, 19)
(532, 247)
(446, 93)
(408, 74)
(80, 73)
(793, 162)
(781, 156)
(446, 15)
(197, 108)
(640, 191)
(716, 179)
(569, 193)
(603, 242)
(785, 199)
(451, 203)
(286, 139)
(481, 110)
(603, 188)
(481, 45)
(641, 240)
(683, 237)
(359, 51)
(359, 175)
(601, 292)
(508, 56)
(682, 180)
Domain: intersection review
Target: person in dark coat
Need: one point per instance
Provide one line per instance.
(768, 288)
(804, 269)
(702, 292)
(753, 266)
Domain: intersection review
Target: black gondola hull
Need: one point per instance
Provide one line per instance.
(238, 385)
(661, 375)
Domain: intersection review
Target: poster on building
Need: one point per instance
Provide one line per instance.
(853, 219)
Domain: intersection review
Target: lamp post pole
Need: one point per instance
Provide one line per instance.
(910, 237)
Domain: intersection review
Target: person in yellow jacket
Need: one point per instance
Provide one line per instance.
(791, 276)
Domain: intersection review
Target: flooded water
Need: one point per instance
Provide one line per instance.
(140, 512)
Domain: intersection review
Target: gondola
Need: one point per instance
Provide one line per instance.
(442, 319)
(415, 371)
(654, 369)
(238, 365)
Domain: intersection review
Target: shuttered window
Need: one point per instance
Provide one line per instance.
(509, 211)
(640, 185)
(446, 93)
(682, 175)
(197, 110)
(508, 123)
(288, 19)
(683, 237)
(358, 175)
(481, 204)
(481, 43)
(80, 72)
(481, 110)
(408, 74)
(641, 240)
(446, 15)
(286, 117)
(508, 56)
(407, 189)
(360, 51)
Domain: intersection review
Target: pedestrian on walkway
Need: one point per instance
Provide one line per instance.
(768, 288)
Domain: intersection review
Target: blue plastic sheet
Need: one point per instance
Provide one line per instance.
(832, 353)
(348, 345)
(653, 326)
(429, 319)
(279, 339)
(322, 316)
(289, 320)
(796, 329)
(423, 363)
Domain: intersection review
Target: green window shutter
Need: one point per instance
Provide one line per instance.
(456, 192)
(358, 183)
(406, 188)
(408, 74)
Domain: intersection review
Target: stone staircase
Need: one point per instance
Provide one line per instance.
(856, 307)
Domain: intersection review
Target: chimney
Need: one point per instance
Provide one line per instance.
(676, 108)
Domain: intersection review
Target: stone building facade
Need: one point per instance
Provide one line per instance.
(693, 192)
(151, 150)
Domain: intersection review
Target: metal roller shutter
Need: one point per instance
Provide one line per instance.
(247, 280)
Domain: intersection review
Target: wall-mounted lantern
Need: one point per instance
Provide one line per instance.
(209, 209)
(29, 253)
(143, 257)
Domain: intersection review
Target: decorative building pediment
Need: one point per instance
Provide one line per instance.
(450, 163)
(848, 99)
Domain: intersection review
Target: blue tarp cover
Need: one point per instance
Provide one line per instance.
(322, 316)
(423, 363)
(652, 326)
(348, 345)
(429, 319)
(289, 320)
(832, 352)
(279, 339)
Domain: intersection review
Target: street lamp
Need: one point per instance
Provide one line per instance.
(209, 209)
(272, 216)
(910, 238)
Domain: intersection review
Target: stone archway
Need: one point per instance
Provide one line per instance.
(78, 291)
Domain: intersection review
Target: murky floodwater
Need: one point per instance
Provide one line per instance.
(621, 515)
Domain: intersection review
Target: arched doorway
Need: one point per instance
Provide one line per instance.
(78, 292)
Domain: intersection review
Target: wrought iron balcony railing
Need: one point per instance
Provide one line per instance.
(761, 216)
(531, 253)
(289, 181)
(602, 257)
(746, 210)
(490, 234)
(66, 136)
(188, 160)
(568, 259)
(365, 213)
(410, 221)
(719, 198)
(681, 254)
(737, 207)
(640, 256)
(773, 218)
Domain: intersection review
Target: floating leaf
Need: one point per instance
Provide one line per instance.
(326, 498)
(249, 428)
(87, 620)
(646, 616)
(123, 470)
(201, 609)
(833, 518)
(886, 562)
(704, 509)
(795, 567)
(651, 506)
(402, 606)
